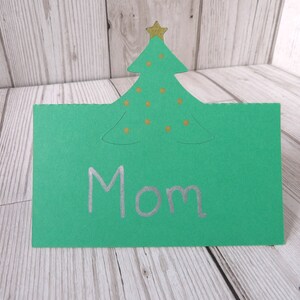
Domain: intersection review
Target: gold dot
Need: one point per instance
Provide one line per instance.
(162, 90)
(161, 56)
(126, 130)
(126, 102)
(138, 89)
(168, 128)
(148, 63)
(148, 103)
(147, 121)
(186, 122)
(179, 101)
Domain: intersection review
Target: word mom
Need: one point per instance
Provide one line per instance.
(146, 189)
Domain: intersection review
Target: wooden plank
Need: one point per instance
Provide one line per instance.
(3, 95)
(16, 135)
(290, 251)
(259, 272)
(199, 86)
(287, 48)
(16, 145)
(5, 77)
(142, 273)
(29, 273)
(291, 199)
(177, 273)
(291, 169)
(278, 76)
(52, 41)
(123, 84)
(236, 32)
(127, 36)
(249, 85)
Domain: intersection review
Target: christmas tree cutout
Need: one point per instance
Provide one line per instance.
(157, 107)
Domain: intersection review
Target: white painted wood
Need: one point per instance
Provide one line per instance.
(250, 85)
(278, 76)
(3, 94)
(29, 273)
(123, 84)
(236, 32)
(291, 169)
(95, 273)
(5, 80)
(258, 272)
(291, 198)
(55, 41)
(287, 48)
(290, 251)
(16, 145)
(128, 37)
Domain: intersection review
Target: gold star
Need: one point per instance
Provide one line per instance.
(156, 30)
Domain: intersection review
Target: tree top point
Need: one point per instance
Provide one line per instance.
(156, 30)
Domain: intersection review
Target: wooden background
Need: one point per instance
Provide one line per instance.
(52, 41)
(57, 41)
(287, 51)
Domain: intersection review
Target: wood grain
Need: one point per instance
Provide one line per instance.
(3, 95)
(234, 32)
(50, 41)
(55, 41)
(250, 85)
(127, 35)
(258, 272)
(287, 48)
(5, 76)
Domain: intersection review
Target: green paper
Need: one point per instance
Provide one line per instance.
(104, 174)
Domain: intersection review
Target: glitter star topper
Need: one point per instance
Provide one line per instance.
(156, 30)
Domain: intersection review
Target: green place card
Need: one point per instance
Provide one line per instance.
(157, 168)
